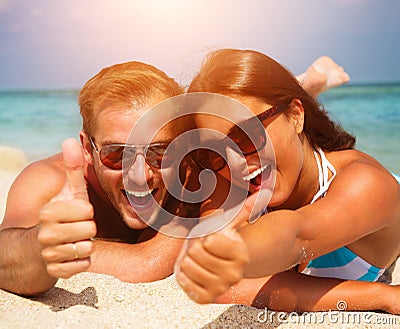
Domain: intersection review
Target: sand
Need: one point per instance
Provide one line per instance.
(90, 300)
(12, 161)
(98, 301)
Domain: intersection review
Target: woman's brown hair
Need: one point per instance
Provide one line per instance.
(234, 72)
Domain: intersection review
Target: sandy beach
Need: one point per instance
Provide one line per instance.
(99, 301)
(12, 161)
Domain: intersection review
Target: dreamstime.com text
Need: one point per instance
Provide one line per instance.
(327, 317)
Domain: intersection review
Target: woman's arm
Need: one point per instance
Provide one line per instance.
(361, 209)
(291, 291)
(281, 239)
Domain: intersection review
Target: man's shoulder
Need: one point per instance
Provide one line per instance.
(48, 167)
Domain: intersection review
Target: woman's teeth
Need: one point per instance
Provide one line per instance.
(254, 173)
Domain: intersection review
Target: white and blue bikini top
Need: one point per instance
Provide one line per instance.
(324, 166)
(341, 263)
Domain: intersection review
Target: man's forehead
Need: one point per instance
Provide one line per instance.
(156, 128)
(135, 107)
(143, 126)
(129, 102)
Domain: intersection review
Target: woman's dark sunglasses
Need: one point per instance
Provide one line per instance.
(249, 137)
(113, 155)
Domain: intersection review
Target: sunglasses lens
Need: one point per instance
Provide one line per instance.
(156, 155)
(111, 156)
(209, 159)
(249, 137)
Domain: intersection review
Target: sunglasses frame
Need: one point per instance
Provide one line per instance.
(268, 113)
(127, 146)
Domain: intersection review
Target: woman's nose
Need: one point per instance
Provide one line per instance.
(236, 162)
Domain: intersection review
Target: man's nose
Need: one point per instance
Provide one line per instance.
(139, 171)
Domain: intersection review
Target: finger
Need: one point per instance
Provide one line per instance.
(66, 252)
(245, 214)
(74, 168)
(226, 246)
(210, 267)
(66, 233)
(74, 210)
(67, 269)
(204, 258)
(214, 284)
(197, 273)
(194, 291)
(182, 254)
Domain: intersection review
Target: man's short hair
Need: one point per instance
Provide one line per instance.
(126, 85)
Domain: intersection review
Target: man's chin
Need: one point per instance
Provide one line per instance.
(135, 223)
(140, 215)
(142, 218)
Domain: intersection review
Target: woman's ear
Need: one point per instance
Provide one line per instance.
(296, 114)
(87, 147)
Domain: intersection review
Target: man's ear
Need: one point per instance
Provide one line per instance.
(87, 147)
(296, 115)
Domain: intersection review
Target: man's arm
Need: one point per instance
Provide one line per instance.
(22, 269)
(43, 228)
(145, 261)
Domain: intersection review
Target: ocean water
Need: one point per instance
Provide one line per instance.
(372, 114)
(38, 121)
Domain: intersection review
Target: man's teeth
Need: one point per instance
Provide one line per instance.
(255, 173)
(139, 194)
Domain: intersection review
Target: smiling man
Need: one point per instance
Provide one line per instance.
(76, 211)
(92, 207)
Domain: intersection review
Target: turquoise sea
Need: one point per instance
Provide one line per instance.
(38, 121)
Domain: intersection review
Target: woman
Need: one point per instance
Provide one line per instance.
(334, 211)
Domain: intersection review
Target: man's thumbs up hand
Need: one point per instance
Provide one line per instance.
(66, 223)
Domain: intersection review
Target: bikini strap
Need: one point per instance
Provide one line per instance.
(323, 173)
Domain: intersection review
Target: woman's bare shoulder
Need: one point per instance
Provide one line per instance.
(358, 168)
(354, 159)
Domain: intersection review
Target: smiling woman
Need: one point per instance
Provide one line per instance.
(322, 186)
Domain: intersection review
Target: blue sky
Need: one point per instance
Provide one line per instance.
(61, 44)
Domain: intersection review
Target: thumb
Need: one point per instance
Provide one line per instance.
(182, 253)
(234, 218)
(253, 207)
(74, 168)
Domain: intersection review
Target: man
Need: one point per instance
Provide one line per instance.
(73, 212)
(58, 205)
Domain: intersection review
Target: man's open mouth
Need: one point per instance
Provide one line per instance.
(140, 198)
